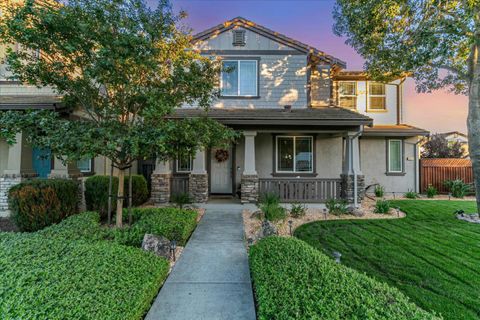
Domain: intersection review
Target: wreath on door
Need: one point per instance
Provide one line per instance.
(221, 155)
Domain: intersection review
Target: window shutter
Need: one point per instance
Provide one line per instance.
(238, 37)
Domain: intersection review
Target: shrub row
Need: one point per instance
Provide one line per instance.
(172, 223)
(63, 272)
(295, 281)
(38, 203)
(96, 192)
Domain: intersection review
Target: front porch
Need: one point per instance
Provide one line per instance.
(302, 154)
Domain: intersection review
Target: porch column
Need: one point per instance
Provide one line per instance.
(19, 168)
(351, 171)
(161, 182)
(249, 181)
(198, 179)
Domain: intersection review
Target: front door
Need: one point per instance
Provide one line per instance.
(42, 162)
(221, 171)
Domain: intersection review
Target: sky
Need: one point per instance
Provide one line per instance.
(311, 21)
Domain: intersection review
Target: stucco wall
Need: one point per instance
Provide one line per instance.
(373, 152)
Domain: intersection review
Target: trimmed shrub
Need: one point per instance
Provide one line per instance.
(96, 192)
(379, 191)
(271, 208)
(82, 226)
(298, 210)
(382, 206)
(38, 203)
(457, 188)
(410, 194)
(292, 280)
(337, 207)
(172, 223)
(181, 199)
(54, 278)
(431, 191)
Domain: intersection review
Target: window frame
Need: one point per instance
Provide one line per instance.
(177, 168)
(294, 172)
(355, 95)
(402, 157)
(257, 79)
(369, 95)
(86, 172)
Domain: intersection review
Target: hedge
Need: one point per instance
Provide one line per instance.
(38, 203)
(292, 280)
(56, 274)
(96, 192)
(172, 223)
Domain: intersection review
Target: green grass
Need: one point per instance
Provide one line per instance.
(67, 271)
(430, 255)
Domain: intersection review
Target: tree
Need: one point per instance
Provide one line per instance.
(437, 146)
(437, 42)
(121, 68)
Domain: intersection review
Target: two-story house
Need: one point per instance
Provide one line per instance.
(311, 129)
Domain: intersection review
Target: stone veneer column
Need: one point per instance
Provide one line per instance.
(249, 182)
(198, 179)
(19, 168)
(351, 166)
(161, 183)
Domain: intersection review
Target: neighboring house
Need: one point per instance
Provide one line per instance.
(310, 128)
(455, 136)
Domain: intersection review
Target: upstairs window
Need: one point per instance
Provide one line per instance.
(239, 78)
(347, 94)
(295, 154)
(376, 96)
(239, 38)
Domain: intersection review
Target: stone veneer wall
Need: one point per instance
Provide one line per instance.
(198, 187)
(161, 188)
(347, 188)
(6, 182)
(249, 188)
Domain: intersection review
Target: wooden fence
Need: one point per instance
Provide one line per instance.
(435, 171)
(304, 190)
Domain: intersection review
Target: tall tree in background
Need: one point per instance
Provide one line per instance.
(437, 146)
(437, 42)
(121, 69)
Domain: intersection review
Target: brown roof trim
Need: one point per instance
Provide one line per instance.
(25, 102)
(401, 130)
(252, 26)
(355, 75)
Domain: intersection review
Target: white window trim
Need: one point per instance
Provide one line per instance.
(294, 154)
(184, 171)
(238, 79)
(90, 167)
(384, 95)
(401, 156)
(348, 95)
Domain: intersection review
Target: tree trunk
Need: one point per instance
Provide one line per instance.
(473, 121)
(110, 196)
(120, 195)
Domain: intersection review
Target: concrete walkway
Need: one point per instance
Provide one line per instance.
(211, 280)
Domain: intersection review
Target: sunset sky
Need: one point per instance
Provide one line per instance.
(311, 21)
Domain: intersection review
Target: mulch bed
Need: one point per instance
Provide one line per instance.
(6, 224)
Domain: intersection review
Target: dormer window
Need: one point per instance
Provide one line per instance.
(239, 78)
(238, 38)
(347, 94)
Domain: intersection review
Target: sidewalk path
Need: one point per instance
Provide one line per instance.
(211, 280)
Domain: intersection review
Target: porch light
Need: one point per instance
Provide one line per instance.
(337, 255)
(290, 223)
(393, 195)
(449, 196)
(173, 246)
(325, 213)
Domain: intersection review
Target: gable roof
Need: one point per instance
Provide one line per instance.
(254, 27)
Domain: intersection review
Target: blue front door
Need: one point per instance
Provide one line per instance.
(42, 162)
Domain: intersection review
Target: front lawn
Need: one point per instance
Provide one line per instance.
(430, 255)
(78, 269)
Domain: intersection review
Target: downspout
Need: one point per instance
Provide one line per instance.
(415, 171)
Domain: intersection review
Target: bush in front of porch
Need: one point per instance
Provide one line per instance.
(292, 280)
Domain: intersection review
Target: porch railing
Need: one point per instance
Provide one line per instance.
(179, 184)
(301, 189)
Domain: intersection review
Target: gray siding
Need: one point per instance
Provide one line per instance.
(320, 86)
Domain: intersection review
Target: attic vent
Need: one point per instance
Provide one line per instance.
(238, 37)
